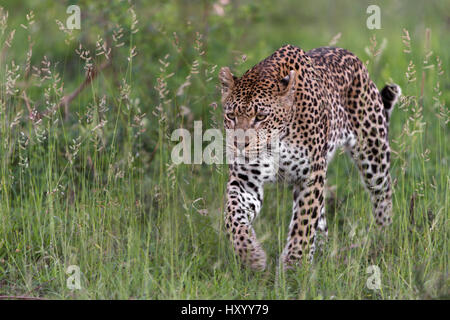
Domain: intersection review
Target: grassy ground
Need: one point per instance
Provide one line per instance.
(92, 184)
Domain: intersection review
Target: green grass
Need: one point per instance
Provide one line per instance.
(95, 186)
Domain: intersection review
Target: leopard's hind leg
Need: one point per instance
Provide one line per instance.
(369, 113)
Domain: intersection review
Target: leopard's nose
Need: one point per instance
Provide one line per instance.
(241, 144)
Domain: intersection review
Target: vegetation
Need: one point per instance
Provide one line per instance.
(86, 177)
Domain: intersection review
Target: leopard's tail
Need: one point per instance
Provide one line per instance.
(390, 94)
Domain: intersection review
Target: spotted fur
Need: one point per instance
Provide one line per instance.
(315, 101)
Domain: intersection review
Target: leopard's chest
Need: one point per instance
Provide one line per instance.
(288, 164)
(293, 163)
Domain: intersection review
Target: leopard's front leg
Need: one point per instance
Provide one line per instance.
(244, 200)
(308, 215)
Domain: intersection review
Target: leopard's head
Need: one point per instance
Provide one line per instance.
(257, 108)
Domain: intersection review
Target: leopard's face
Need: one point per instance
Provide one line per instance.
(256, 112)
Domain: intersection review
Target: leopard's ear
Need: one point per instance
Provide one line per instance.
(288, 82)
(227, 81)
(288, 88)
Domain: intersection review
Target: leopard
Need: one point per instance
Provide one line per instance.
(314, 102)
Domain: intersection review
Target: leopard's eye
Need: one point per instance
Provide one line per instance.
(261, 117)
(231, 116)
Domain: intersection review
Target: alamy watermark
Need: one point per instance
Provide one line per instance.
(238, 146)
(374, 20)
(74, 20)
(73, 282)
(374, 281)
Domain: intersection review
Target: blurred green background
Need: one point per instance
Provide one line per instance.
(227, 30)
